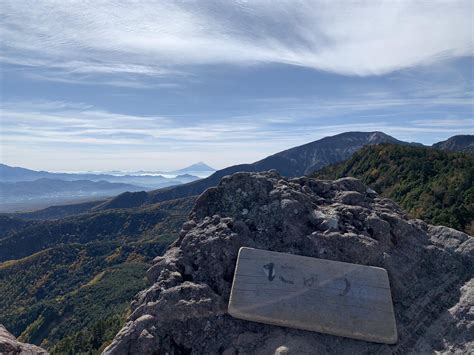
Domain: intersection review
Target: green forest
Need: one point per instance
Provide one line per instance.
(430, 184)
(70, 287)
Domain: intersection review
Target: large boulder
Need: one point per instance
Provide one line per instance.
(185, 309)
(10, 346)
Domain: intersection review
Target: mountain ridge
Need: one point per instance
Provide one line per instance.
(460, 143)
(291, 162)
(271, 162)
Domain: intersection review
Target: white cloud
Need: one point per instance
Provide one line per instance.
(163, 38)
(59, 135)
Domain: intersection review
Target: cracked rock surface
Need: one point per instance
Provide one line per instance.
(184, 311)
(10, 346)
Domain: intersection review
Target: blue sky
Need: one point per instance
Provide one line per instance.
(159, 85)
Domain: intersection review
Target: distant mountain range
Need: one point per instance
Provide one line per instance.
(22, 188)
(301, 160)
(199, 169)
(147, 180)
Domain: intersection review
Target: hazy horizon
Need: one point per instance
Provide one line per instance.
(162, 85)
(158, 172)
(163, 171)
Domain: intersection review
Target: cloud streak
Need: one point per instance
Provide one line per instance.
(78, 134)
(168, 38)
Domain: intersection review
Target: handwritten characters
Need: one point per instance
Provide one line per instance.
(307, 281)
(269, 271)
(285, 280)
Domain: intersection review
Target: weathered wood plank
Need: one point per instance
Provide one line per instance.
(313, 294)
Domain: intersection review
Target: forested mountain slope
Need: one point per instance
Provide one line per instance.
(67, 284)
(436, 186)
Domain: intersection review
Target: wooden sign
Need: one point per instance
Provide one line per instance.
(332, 297)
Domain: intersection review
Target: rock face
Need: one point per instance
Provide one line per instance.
(10, 346)
(184, 311)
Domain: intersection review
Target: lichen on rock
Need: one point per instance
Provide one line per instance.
(184, 311)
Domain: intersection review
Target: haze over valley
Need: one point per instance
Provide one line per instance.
(23, 189)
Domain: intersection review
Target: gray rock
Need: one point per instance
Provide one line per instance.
(351, 198)
(9, 345)
(349, 184)
(185, 310)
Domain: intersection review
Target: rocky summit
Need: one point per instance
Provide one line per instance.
(185, 309)
(9, 345)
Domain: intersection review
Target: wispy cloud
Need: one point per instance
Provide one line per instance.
(122, 80)
(80, 134)
(447, 123)
(165, 38)
(381, 103)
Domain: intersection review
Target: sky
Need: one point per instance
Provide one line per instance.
(158, 85)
